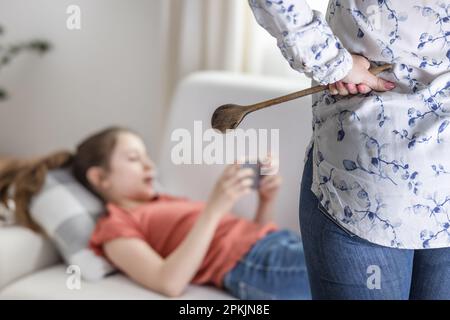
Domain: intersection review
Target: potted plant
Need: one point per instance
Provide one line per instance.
(10, 51)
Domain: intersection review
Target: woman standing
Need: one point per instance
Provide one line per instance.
(375, 194)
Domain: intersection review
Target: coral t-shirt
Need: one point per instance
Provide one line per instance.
(166, 220)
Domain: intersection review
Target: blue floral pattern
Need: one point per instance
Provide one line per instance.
(382, 159)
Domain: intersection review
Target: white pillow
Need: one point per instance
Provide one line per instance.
(67, 212)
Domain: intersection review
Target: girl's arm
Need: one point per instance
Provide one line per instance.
(167, 276)
(171, 275)
(269, 186)
(304, 38)
(264, 213)
(268, 191)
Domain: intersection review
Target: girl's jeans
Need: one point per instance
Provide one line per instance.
(343, 266)
(273, 269)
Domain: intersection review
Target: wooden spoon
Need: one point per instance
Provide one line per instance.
(229, 116)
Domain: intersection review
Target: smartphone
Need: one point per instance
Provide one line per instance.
(256, 167)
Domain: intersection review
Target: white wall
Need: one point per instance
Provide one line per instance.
(109, 72)
(106, 73)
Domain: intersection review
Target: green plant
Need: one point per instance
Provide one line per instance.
(9, 51)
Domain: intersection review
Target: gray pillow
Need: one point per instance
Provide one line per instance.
(67, 212)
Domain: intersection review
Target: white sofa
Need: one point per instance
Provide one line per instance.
(30, 268)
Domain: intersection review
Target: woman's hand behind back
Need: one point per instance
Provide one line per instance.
(359, 80)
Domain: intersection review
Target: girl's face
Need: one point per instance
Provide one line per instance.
(131, 171)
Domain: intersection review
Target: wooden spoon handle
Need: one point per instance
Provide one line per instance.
(302, 93)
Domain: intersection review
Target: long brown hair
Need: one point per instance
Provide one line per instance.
(28, 177)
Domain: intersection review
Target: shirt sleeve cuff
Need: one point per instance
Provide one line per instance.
(335, 69)
(314, 50)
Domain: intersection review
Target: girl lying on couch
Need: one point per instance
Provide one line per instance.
(164, 242)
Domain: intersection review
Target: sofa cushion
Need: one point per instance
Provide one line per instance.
(23, 251)
(51, 283)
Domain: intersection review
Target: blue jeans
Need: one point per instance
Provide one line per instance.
(274, 268)
(343, 266)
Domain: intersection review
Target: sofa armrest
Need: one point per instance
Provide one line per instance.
(23, 251)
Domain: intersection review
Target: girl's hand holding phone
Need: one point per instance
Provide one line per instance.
(234, 183)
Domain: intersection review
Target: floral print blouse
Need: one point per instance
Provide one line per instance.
(382, 159)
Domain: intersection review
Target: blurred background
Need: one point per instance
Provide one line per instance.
(121, 67)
